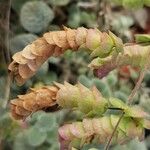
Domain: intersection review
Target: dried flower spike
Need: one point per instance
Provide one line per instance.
(134, 55)
(89, 101)
(100, 130)
(36, 99)
(27, 62)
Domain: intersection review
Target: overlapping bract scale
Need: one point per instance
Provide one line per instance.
(100, 129)
(36, 99)
(88, 101)
(134, 55)
(75, 97)
(97, 127)
(28, 61)
(108, 49)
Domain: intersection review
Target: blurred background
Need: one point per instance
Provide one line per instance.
(22, 21)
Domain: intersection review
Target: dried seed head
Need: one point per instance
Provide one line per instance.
(37, 99)
(100, 129)
(55, 43)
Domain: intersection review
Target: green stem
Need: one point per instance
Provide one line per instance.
(137, 86)
(109, 141)
(129, 102)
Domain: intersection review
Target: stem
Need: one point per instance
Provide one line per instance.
(111, 137)
(100, 13)
(6, 39)
(137, 86)
(129, 102)
(103, 14)
(7, 91)
(7, 35)
(7, 52)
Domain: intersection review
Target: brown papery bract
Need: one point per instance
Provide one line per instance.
(28, 61)
(53, 98)
(36, 99)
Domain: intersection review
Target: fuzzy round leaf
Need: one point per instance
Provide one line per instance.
(41, 73)
(89, 19)
(46, 122)
(102, 87)
(21, 143)
(35, 16)
(35, 136)
(85, 81)
(121, 95)
(18, 42)
(74, 17)
(16, 4)
(50, 77)
(112, 79)
(122, 23)
(52, 136)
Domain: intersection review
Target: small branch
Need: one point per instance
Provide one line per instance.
(129, 101)
(7, 51)
(103, 14)
(7, 90)
(7, 35)
(111, 137)
(99, 14)
(137, 86)
(7, 28)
